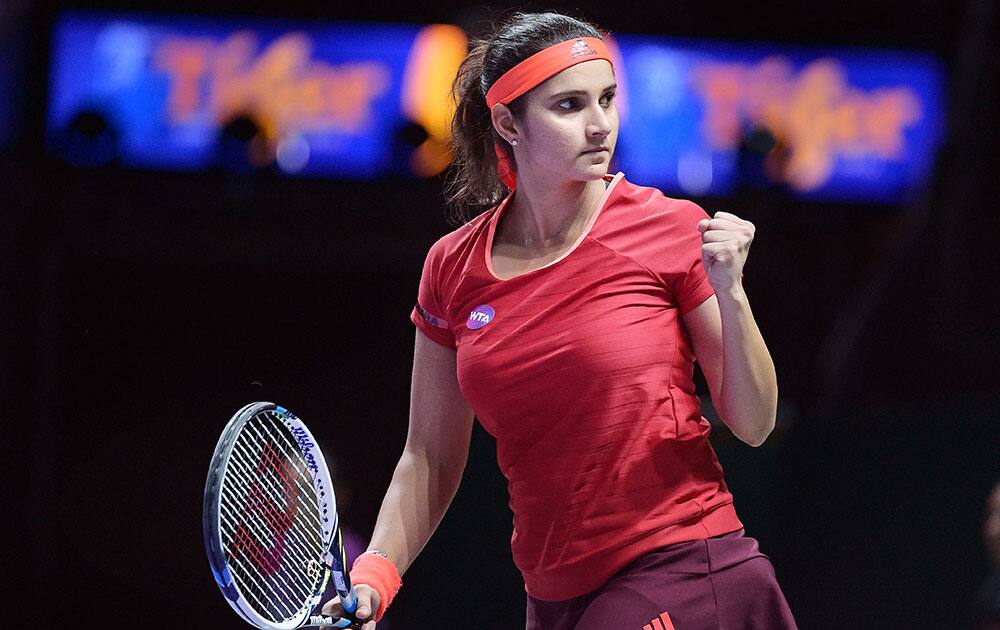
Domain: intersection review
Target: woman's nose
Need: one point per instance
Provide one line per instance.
(600, 122)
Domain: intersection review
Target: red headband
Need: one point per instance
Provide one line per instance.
(533, 71)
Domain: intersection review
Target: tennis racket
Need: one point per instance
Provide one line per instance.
(270, 522)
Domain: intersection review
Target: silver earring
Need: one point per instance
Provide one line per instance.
(513, 142)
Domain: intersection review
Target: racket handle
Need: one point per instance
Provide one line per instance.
(349, 601)
(332, 622)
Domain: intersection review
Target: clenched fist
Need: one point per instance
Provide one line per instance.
(725, 244)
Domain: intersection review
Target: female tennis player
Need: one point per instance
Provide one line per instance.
(568, 318)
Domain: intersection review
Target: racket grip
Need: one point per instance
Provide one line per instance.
(349, 601)
(333, 622)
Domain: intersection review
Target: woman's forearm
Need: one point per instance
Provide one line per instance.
(749, 396)
(418, 497)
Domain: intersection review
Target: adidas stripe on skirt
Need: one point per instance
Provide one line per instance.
(721, 583)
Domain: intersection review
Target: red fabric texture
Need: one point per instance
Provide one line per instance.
(583, 371)
(380, 574)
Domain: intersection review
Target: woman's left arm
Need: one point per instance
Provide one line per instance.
(727, 342)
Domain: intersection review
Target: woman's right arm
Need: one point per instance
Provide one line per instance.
(431, 466)
(433, 460)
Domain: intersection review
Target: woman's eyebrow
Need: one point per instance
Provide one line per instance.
(566, 93)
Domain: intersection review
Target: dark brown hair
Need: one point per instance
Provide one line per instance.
(473, 182)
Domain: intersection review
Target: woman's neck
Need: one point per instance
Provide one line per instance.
(545, 215)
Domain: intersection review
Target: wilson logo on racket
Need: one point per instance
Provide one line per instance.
(306, 446)
(480, 316)
(262, 511)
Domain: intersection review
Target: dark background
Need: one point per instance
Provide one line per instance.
(141, 309)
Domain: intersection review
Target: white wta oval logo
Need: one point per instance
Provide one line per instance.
(480, 316)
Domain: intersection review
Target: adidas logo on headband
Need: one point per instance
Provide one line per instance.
(581, 49)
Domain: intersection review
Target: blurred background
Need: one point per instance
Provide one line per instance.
(210, 202)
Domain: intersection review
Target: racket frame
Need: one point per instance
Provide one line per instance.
(333, 560)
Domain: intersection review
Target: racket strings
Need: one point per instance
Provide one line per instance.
(303, 549)
(244, 543)
(272, 596)
(280, 520)
(291, 450)
(271, 524)
(290, 465)
(267, 485)
(291, 457)
(274, 608)
(238, 541)
(286, 588)
(258, 508)
(303, 489)
(281, 590)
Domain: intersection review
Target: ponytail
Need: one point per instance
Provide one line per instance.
(473, 183)
(474, 180)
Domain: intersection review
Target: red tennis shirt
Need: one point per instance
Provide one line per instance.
(583, 372)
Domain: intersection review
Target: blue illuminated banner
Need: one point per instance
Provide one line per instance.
(860, 125)
(327, 100)
(365, 101)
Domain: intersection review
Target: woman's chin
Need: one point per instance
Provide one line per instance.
(596, 171)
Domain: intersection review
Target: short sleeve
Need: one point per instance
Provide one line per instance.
(668, 244)
(691, 286)
(429, 314)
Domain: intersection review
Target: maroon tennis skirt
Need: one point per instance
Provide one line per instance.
(721, 583)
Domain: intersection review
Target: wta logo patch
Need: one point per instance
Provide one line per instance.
(480, 316)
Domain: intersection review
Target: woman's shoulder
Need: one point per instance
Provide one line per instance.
(462, 239)
(647, 204)
(656, 231)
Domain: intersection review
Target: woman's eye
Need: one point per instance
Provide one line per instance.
(570, 104)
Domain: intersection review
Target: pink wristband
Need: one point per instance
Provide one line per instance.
(379, 573)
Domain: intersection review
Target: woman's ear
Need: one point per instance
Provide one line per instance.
(503, 122)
